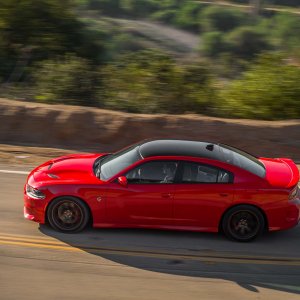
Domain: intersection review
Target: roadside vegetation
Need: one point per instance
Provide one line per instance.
(76, 52)
(293, 3)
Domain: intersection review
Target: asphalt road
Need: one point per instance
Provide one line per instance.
(38, 263)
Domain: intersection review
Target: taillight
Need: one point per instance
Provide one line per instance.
(294, 192)
(294, 196)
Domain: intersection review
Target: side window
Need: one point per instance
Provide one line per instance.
(198, 173)
(153, 172)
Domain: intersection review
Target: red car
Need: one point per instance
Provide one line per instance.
(167, 184)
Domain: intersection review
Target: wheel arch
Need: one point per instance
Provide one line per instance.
(244, 203)
(90, 221)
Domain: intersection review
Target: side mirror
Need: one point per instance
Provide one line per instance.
(123, 181)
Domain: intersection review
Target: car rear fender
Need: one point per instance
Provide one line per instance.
(249, 204)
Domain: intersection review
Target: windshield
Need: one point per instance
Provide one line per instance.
(115, 163)
(243, 160)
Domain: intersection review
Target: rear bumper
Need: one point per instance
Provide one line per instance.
(34, 209)
(286, 218)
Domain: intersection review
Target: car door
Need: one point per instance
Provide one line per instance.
(202, 193)
(147, 198)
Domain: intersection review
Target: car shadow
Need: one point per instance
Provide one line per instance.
(271, 262)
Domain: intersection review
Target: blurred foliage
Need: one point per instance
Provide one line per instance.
(287, 30)
(166, 16)
(188, 16)
(273, 2)
(246, 42)
(212, 43)
(33, 30)
(151, 82)
(68, 80)
(76, 52)
(218, 18)
(268, 90)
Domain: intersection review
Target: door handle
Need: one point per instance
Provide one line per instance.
(224, 195)
(166, 195)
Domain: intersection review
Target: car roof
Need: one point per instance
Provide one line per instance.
(179, 148)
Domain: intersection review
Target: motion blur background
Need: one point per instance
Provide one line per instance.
(235, 59)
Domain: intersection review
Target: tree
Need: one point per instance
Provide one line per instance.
(33, 30)
(216, 18)
(256, 6)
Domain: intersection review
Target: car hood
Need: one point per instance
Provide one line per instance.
(70, 168)
(281, 172)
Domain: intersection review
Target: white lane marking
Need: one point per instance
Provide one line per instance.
(14, 172)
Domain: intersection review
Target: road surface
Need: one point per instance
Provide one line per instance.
(38, 263)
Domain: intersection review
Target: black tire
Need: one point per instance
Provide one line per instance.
(68, 214)
(243, 223)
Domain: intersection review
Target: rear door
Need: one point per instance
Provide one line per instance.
(202, 193)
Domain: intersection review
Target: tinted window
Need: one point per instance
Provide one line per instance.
(198, 173)
(153, 172)
(243, 160)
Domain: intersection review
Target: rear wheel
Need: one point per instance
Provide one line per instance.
(68, 214)
(243, 223)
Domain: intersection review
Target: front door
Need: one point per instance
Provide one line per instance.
(147, 199)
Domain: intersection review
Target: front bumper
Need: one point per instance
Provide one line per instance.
(34, 209)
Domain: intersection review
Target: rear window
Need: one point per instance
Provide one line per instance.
(243, 160)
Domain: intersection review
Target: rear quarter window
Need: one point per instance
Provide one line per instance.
(193, 172)
(242, 160)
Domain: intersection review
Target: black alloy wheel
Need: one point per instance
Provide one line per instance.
(243, 223)
(68, 214)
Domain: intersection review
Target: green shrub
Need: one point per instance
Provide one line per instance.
(152, 82)
(212, 43)
(287, 30)
(269, 90)
(165, 16)
(273, 2)
(188, 16)
(68, 80)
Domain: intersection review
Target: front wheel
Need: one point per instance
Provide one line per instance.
(68, 214)
(243, 223)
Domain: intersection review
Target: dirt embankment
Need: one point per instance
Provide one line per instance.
(91, 129)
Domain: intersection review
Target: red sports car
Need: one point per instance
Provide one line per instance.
(167, 184)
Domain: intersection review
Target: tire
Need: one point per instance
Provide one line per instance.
(68, 214)
(243, 223)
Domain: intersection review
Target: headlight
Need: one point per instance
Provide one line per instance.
(34, 193)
